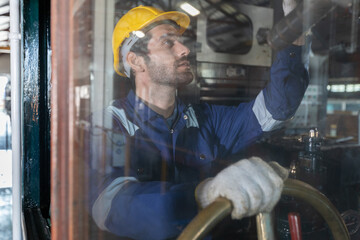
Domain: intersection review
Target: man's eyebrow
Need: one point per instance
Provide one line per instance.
(165, 35)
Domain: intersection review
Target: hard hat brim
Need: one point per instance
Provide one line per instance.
(181, 19)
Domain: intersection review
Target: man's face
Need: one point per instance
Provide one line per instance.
(168, 64)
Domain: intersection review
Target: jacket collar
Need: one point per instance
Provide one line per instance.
(143, 111)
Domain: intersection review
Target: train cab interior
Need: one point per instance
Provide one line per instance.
(62, 71)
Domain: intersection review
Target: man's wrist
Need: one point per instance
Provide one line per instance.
(300, 41)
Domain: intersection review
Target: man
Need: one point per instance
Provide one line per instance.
(159, 149)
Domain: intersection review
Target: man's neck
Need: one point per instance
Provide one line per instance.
(161, 99)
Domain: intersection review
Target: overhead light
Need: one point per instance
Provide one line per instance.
(190, 9)
(338, 88)
(228, 8)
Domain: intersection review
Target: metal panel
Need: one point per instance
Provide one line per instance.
(102, 57)
(62, 158)
(259, 55)
(36, 87)
(36, 116)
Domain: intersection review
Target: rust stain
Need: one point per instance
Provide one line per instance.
(35, 108)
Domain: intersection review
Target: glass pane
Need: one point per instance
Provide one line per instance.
(5, 125)
(5, 159)
(168, 100)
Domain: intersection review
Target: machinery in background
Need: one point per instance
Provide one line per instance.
(331, 167)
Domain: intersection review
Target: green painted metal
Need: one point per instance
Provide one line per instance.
(36, 103)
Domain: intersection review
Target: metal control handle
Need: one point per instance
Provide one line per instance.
(200, 226)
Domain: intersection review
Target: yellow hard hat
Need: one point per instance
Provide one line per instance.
(138, 18)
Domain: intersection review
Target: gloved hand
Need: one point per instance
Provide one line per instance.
(288, 6)
(251, 185)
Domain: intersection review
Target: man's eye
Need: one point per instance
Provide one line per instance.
(169, 42)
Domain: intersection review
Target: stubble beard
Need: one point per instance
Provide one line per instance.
(164, 75)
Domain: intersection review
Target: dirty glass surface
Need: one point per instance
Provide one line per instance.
(132, 175)
(5, 159)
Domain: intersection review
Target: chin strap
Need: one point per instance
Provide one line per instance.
(125, 49)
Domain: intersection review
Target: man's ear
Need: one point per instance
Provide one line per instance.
(136, 62)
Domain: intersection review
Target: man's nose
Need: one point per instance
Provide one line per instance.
(181, 49)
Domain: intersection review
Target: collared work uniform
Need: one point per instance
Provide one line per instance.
(144, 172)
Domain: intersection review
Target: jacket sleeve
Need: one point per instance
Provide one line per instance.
(123, 205)
(289, 80)
(237, 127)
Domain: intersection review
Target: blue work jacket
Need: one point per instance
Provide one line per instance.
(143, 172)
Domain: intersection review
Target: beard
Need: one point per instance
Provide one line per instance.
(170, 75)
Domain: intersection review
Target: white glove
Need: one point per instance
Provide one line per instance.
(288, 6)
(251, 185)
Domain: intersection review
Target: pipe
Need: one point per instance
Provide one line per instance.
(15, 37)
(207, 219)
(323, 206)
(201, 225)
(295, 225)
(354, 27)
(265, 226)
